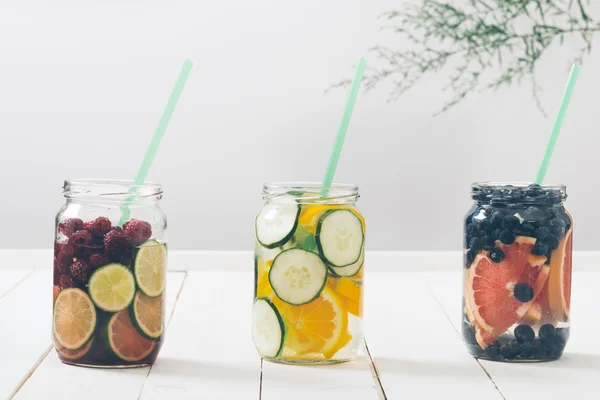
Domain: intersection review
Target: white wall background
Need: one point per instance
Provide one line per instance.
(83, 83)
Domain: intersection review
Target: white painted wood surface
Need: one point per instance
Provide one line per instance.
(412, 316)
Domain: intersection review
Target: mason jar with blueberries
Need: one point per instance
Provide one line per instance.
(517, 248)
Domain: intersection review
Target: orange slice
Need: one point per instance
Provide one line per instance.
(125, 341)
(559, 282)
(263, 286)
(319, 326)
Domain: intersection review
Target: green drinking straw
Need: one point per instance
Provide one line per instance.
(562, 110)
(343, 128)
(158, 135)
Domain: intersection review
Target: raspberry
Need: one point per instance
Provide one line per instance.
(80, 238)
(116, 228)
(137, 231)
(66, 282)
(97, 260)
(115, 243)
(56, 276)
(70, 226)
(80, 271)
(126, 258)
(62, 262)
(98, 227)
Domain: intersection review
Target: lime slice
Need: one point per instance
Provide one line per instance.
(74, 354)
(147, 315)
(112, 287)
(74, 318)
(150, 265)
(125, 341)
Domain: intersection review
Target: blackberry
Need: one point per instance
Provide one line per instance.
(523, 292)
(524, 333)
(70, 226)
(507, 237)
(138, 232)
(497, 255)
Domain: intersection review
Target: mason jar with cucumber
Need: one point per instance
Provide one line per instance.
(309, 272)
(109, 274)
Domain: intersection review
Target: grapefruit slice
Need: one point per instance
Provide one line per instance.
(489, 299)
(125, 341)
(559, 282)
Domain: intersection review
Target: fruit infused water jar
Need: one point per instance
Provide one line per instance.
(309, 272)
(517, 272)
(109, 280)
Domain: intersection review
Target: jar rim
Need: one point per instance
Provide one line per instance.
(503, 193)
(311, 192)
(110, 189)
(518, 185)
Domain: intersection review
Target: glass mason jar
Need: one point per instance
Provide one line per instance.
(517, 272)
(308, 270)
(109, 277)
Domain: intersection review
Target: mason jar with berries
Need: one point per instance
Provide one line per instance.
(110, 258)
(517, 250)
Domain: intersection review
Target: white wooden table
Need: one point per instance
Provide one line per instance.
(412, 349)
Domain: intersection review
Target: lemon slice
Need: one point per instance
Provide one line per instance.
(112, 287)
(150, 266)
(147, 315)
(74, 318)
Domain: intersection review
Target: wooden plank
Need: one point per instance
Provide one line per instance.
(349, 381)
(10, 278)
(416, 350)
(53, 379)
(575, 374)
(209, 352)
(25, 329)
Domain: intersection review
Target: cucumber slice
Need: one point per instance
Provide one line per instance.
(350, 270)
(298, 276)
(275, 223)
(340, 238)
(268, 330)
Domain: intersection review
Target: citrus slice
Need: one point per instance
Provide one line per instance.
(319, 326)
(125, 341)
(147, 314)
(559, 282)
(73, 354)
(150, 266)
(112, 287)
(74, 318)
(534, 315)
(263, 286)
(489, 298)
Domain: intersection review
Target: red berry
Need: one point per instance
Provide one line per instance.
(98, 227)
(80, 238)
(70, 226)
(116, 228)
(62, 262)
(80, 271)
(126, 258)
(97, 260)
(66, 282)
(115, 243)
(137, 231)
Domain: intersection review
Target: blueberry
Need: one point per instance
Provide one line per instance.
(497, 255)
(496, 219)
(524, 333)
(534, 214)
(552, 241)
(510, 351)
(553, 213)
(492, 351)
(475, 244)
(495, 234)
(484, 225)
(547, 333)
(560, 223)
(534, 190)
(542, 233)
(527, 229)
(561, 335)
(488, 243)
(559, 232)
(510, 222)
(469, 257)
(527, 350)
(565, 217)
(540, 248)
(523, 292)
(469, 334)
(471, 229)
(507, 237)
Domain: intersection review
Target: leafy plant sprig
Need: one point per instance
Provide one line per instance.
(476, 40)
